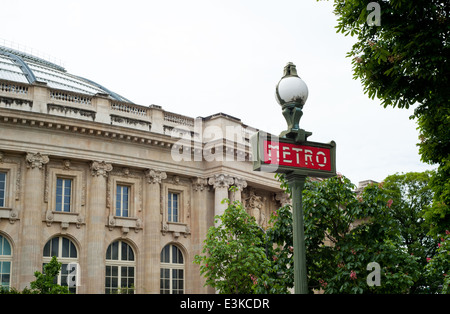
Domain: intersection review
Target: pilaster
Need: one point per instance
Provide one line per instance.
(152, 229)
(96, 227)
(31, 248)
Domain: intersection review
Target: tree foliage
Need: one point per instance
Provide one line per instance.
(45, 283)
(234, 251)
(345, 233)
(404, 62)
(358, 231)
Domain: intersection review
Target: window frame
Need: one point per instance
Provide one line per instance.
(120, 264)
(78, 190)
(4, 191)
(119, 212)
(172, 268)
(5, 259)
(63, 203)
(170, 209)
(65, 261)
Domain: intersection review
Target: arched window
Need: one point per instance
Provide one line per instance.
(172, 270)
(5, 263)
(66, 253)
(120, 266)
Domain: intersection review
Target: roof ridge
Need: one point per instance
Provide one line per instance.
(30, 57)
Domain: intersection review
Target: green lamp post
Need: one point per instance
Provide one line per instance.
(291, 94)
(297, 158)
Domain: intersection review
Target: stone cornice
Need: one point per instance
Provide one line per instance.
(63, 124)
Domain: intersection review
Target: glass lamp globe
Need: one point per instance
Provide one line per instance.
(291, 90)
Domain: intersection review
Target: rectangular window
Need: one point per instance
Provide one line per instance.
(63, 195)
(122, 200)
(5, 274)
(119, 279)
(173, 209)
(2, 188)
(171, 281)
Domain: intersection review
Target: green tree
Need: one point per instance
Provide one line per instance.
(343, 234)
(411, 197)
(45, 282)
(234, 252)
(404, 62)
(358, 231)
(438, 267)
(278, 277)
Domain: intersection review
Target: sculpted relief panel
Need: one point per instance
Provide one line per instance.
(258, 204)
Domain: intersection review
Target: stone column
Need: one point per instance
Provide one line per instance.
(152, 230)
(96, 228)
(31, 223)
(221, 184)
(241, 184)
(199, 218)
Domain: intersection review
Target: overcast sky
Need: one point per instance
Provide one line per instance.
(200, 57)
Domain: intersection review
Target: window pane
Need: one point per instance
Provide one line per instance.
(124, 251)
(47, 249)
(122, 200)
(174, 254)
(73, 250)
(6, 267)
(177, 256)
(59, 186)
(114, 271)
(54, 247)
(65, 247)
(115, 251)
(165, 254)
(180, 257)
(130, 254)
(2, 188)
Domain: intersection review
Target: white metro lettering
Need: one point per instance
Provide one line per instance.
(320, 153)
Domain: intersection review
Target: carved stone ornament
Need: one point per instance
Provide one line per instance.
(100, 168)
(283, 198)
(13, 216)
(36, 160)
(240, 183)
(255, 207)
(221, 181)
(155, 176)
(66, 164)
(199, 184)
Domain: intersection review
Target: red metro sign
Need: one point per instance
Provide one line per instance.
(298, 156)
(284, 155)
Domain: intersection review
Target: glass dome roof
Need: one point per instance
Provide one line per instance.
(22, 67)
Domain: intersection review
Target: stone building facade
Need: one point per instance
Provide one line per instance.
(122, 194)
